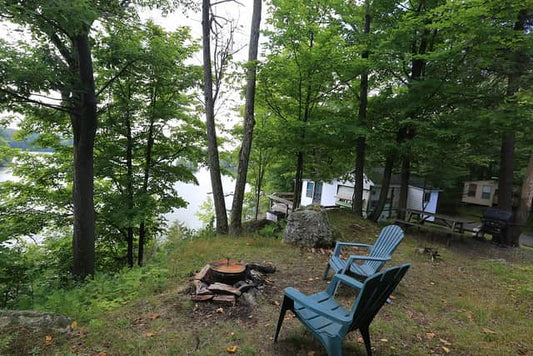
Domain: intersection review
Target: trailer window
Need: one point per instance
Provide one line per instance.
(472, 190)
(485, 192)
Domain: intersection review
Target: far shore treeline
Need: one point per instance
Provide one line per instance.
(24, 144)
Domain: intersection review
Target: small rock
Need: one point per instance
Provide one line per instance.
(35, 320)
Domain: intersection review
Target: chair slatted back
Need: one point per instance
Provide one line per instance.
(374, 293)
(389, 238)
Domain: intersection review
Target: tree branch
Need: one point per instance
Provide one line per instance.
(37, 102)
(224, 1)
(114, 78)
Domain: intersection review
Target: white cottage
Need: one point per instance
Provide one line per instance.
(337, 192)
(340, 191)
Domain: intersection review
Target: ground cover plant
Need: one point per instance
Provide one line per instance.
(471, 298)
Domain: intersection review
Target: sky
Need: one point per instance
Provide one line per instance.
(241, 13)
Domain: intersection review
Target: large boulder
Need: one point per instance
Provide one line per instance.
(34, 320)
(309, 228)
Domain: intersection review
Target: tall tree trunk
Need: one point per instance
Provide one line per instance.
(84, 122)
(357, 200)
(404, 186)
(129, 186)
(212, 145)
(142, 240)
(505, 183)
(146, 178)
(258, 184)
(526, 196)
(407, 133)
(249, 122)
(298, 180)
(385, 184)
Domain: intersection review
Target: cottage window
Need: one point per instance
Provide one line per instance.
(309, 189)
(485, 192)
(472, 188)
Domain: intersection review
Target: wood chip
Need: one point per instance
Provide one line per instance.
(445, 342)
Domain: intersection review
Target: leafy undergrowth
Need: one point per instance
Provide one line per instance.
(472, 299)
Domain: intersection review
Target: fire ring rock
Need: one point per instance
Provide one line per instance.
(309, 228)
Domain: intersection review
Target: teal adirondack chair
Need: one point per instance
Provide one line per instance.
(329, 321)
(379, 253)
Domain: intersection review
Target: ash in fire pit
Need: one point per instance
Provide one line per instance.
(225, 280)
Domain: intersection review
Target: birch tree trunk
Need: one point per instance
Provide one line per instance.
(357, 201)
(249, 122)
(212, 146)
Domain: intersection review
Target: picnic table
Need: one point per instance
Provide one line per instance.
(445, 223)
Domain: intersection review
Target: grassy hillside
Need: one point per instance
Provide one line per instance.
(475, 299)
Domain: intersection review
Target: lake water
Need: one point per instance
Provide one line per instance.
(195, 195)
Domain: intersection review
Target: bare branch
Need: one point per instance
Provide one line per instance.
(37, 102)
(224, 1)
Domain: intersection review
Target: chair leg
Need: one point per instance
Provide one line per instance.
(326, 272)
(288, 303)
(365, 332)
(334, 347)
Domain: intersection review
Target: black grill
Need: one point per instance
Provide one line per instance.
(495, 222)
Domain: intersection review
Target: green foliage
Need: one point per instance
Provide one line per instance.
(299, 88)
(177, 231)
(13, 275)
(273, 230)
(38, 277)
(39, 198)
(105, 292)
(149, 139)
(206, 213)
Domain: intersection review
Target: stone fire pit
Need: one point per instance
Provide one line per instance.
(225, 280)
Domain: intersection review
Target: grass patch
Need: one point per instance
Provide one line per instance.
(475, 299)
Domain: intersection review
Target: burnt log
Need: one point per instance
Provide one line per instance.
(268, 268)
(229, 299)
(256, 276)
(243, 286)
(201, 287)
(201, 276)
(202, 298)
(224, 288)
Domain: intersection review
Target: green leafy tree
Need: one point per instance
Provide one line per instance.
(296, 82)
(54, 71)
(149, 137)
